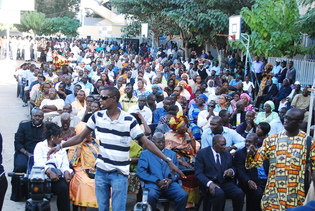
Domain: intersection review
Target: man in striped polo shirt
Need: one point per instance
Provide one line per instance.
(115, 129)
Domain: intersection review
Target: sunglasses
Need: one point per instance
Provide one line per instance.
(105, 97)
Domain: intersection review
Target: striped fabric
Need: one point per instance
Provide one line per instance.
(115, 139)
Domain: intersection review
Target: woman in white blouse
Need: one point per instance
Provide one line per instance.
(56, 165)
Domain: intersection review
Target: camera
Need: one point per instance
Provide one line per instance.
(39, 188)
(144, 205)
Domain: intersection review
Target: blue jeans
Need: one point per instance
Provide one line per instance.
(119, 183)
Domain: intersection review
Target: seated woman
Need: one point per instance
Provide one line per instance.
(222, 104)
(236, 97)
(183, 143)
(193, 112)
(56, 165)
(79, 104)
(268, 115)
(187, 90)
(246, 99)
(95, 106)
(99, 83)
(82, 159)
(197, 83)
(169, 89)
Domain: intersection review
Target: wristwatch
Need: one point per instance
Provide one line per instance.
(168, 159)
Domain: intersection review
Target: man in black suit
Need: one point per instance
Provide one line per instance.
(25, 139)
(252, 181)
(269, 92)
(214, 170)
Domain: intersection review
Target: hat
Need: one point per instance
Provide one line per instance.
(88, 67)
(278, 60)
(297, 83)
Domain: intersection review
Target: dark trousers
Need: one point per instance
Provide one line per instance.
(253, 197)
(227, 190)
(3, 189)
(174, 192)
(61, 189)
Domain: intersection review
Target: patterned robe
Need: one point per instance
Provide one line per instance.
(287, 156)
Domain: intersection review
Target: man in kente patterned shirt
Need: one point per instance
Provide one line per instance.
(286, 152)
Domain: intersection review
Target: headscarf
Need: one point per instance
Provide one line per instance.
(159, 88)
(272, 105)
(178, 120)
(246, 95)
(204, 97)
(183, 84)
(186, 75)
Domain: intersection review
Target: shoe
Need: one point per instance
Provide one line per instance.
(24, 105)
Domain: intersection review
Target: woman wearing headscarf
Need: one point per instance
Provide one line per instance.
(268, 115)
(181, 141)
(246, 99)
(185, 93)
(82, 158)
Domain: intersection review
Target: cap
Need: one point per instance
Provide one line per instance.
(278, 60)
(297, 83)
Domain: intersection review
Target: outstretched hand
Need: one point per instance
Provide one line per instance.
(174, 169)
(53, 150)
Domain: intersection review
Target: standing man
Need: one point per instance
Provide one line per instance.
(115, 129)
(214, 170)
(258, 68)
(286, 152)
(291, 73)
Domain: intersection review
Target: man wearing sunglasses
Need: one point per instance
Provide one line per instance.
(115, 129)
(286, 152)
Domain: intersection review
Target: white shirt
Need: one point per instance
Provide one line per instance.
(160, 105)
(59, 103)
(59, 159)
(246, 85)
(145, 112)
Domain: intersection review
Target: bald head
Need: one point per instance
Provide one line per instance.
(159, 140)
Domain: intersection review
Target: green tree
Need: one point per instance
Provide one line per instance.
(33, 22)
(58, 8)
(146, 11)
(200, 20)
(274, 28)
(65, 26)
(307, 21)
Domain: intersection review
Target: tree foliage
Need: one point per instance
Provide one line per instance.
(307, 21)
(274, 28)
(58, 8)
(146, 11)
(38, 24)
(33, 22)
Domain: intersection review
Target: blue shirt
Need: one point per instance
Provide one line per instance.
(70, 99)
(258, 66)
(87, 86)
(234, 82)
(158, 114)
(231, 136)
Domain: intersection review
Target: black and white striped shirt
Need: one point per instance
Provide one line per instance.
(115, 139)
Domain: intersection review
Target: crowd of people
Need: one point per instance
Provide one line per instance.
(103, 112)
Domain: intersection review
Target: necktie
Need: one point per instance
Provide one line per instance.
(218, 159)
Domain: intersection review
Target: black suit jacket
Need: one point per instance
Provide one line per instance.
(272, 92)
(206, 169)
(244, 174)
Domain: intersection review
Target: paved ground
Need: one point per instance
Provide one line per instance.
(13, 113)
